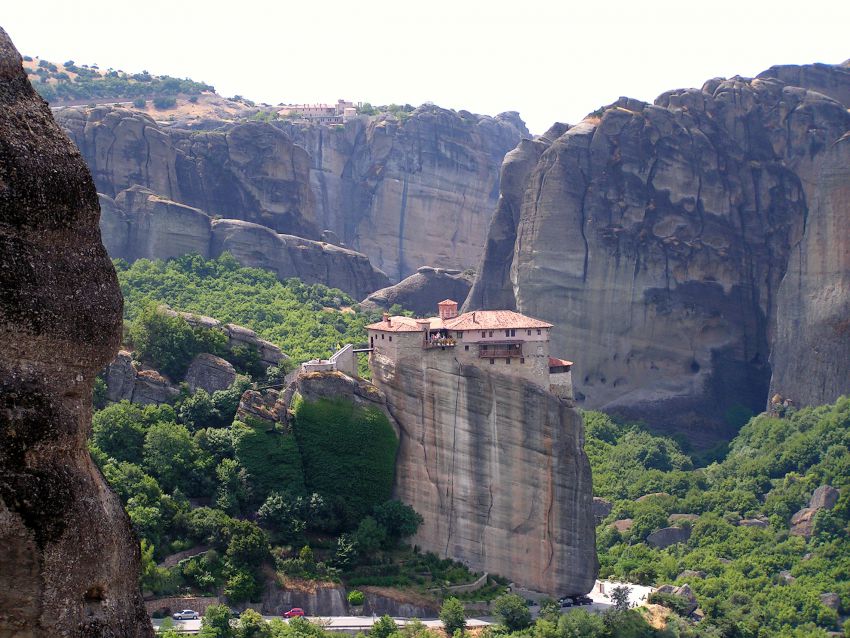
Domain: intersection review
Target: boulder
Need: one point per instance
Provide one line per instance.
(652, 495)
(70, 561)
(824, 497)
(421, 291)
(265, 406)
(753, 522)
(831, 600)
(152, 388)
(685, 592)
(623, 525)
(803, 521)
(601, 508)
(209, 372)
(668, 536)
(786, 577)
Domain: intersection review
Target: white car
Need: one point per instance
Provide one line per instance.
(185, 614)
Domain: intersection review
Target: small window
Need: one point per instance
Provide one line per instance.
(382, 335)
(507, 333)
(466, 347)
(491, 333)
(492, 361)
(513, 333)
(484, 347)
(483, 334)
(529, 332)
(539, 331)
(522, 359)
(391, 337)
(508, 361)
(460, 335)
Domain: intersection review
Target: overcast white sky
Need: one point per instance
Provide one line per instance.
(549, 60)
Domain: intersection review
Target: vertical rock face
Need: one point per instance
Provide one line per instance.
(496, 467)
(404, 192)
(656, 237)
(811, 352)
(412, 192)
(70, 563)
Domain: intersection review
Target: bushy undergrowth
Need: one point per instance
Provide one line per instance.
(759, 581)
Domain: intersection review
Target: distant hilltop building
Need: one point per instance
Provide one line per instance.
(507, 342)
(321, 113)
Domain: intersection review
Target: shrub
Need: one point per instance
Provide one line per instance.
(169, 343)
(164, 102)
(140, 102)
(399, 519)
(356, 598)
(512, 612)
(453, 615)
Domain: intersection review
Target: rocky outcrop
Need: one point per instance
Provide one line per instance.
(269, 354)
(803, 521)
(496, 467)
(139, 223)
(685, 593)
(315, 598)
(209, 372)
(405, 192)
(601, 508)
(668, 536)
(686, 250)
(70, 562)
(126, 381)
(422, 291)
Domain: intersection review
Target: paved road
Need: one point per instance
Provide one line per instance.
(331, 623)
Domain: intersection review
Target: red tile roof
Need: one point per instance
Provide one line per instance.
(447, 302)
(477, 320)
(396, 324)
(493, 320)
(554, 363)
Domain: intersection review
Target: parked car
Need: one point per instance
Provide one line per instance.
(566, 602)
(294, 612)
(185, 614)
(584, 600)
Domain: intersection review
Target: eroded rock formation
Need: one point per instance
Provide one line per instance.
(404, 192)
(687, 249)
(422, 291)
(496, 467)
(139, 223)
(70, 562)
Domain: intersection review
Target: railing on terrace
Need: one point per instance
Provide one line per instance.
(439, 343)
(499, 350)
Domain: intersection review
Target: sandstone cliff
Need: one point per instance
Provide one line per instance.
(657, 238)
(496, 467)
(70, 562)
(140, 224)
(405, 193)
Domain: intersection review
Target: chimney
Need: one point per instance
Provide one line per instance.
(387, 319)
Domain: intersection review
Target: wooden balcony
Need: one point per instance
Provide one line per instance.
(500, 350)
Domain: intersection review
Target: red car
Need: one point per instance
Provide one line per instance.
(292, 613)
